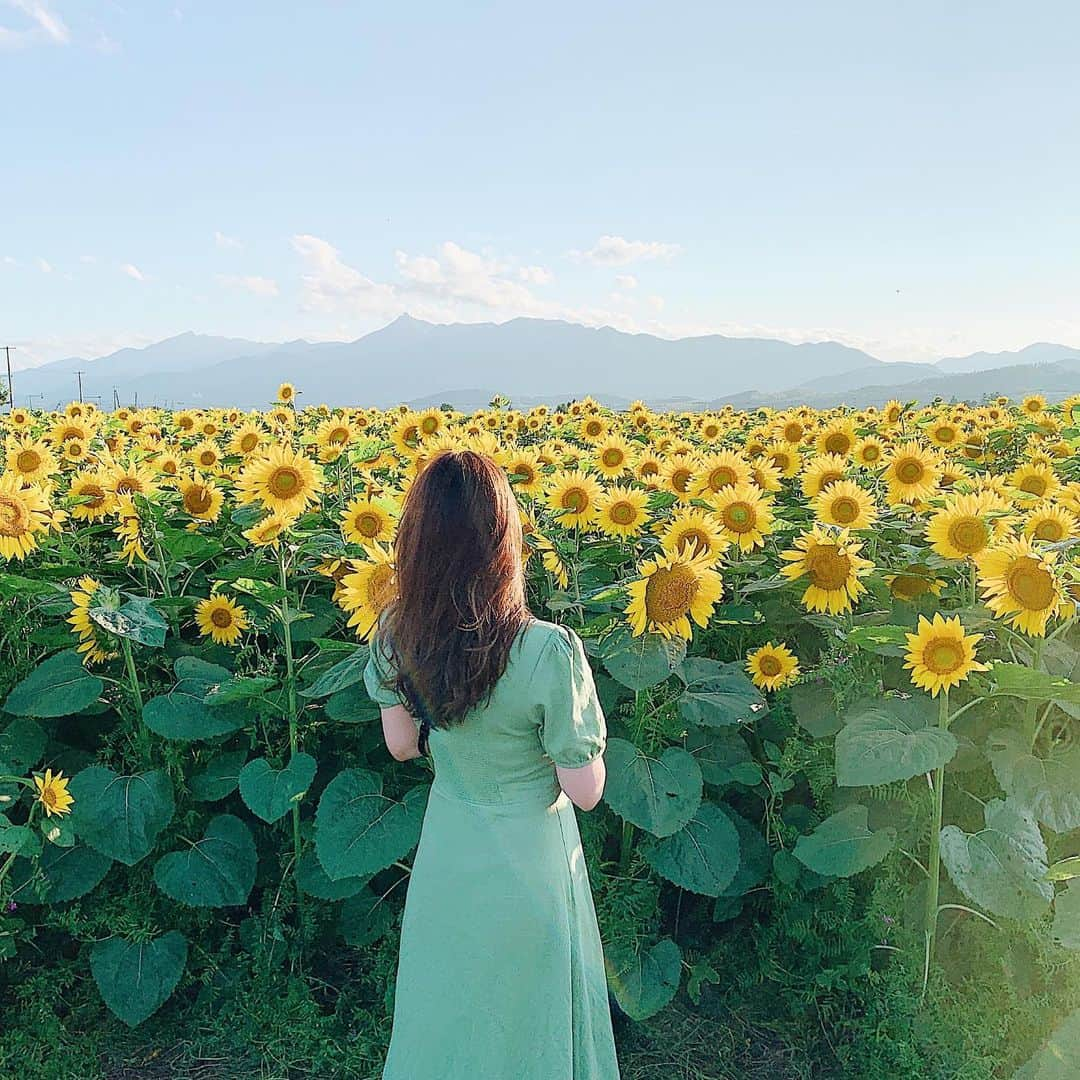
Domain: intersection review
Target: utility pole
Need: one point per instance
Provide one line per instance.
(10, 389)
(115, 398)
(79, 375)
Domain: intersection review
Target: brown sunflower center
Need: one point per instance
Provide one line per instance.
(968, 535)
(249, 442)
(837, 443)
(769, 666)
(128, 485)
(1030, 584)
(943, 656)
(680, 479)
(844, 509)
(14, 516)
(722, 477)
(576, 499)
(285, 482)
(612, 457)
(694, 536)
(430, 425)
(909, 471)
(793, 433)
(367, 524)
(1034, 484)
(381, 586)
(669, 593)
(946, 434)
(27, 461)
(623, 513)
(739, 517)
(222, 618)
(339, 436)
(198, 499)
(828, 567)
(1049, 529)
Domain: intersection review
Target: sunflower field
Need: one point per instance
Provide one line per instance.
(838, 652)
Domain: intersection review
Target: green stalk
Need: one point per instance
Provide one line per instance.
(142, 735)
(934, 864)
(290, 685)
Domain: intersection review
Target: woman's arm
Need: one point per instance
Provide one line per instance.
(585, 785)
(400, 732)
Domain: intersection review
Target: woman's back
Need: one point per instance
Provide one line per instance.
(543, 710)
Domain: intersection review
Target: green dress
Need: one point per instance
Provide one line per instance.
(501, 969)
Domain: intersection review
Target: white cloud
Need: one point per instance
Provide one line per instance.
(133, 271)
(228, 242)
(45, 26)
(618, 251)
(43, 265)
(536, 275)
(88, 259)
(10, 260)
(656, 302)
(331, 285)
(626, 281)
(259, 286)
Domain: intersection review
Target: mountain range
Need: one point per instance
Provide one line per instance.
(533, 361)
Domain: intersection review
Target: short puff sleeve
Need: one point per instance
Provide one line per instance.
(573, 728)
(380, 668)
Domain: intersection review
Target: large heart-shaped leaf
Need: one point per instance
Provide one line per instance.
(641, 662)
(136, 978)
(69, 872)
(1003, 866)
(891, 739)
(1057, 1058)
(645, 982)
(183, 715)
(755, 855)
(137, 620)
(22, 743)
(718, 694)
(121, 816)
(221, 776)
(216, 871)
(359, 830)
(814, 705)
(703, 856)
(344, 673)
(58, 686)
(271, 793)
(1067, 917)
(723, 756)
(365, 918)
(1047, 787)
(844, 844)
(312, 879)
(1032, 684)
(658, 794)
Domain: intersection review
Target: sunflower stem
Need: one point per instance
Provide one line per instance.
(141, 734)
(290, 685)
(934, 862)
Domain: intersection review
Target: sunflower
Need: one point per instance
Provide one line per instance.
(52, 792)
(93, 640)
(690, 527)
(719, 470)
(1051, 523)
(612, 457)
(912, 473)
(677, 475)
(845, 504)
(782, 457)
(822, 471)
(406, 436)
(524, 468)
(892, 412)
(968, 524)
(831, 561)
(24, 512)
(95, 500)
(574, 496)
(1035, 478)
(246, 440)
(366, 522)
(267, 532)
(550, 558)
(332, 437)
(30, 460)
(647, 468)
(128, 529)
(869, 452)
(621, 511)
(671, 590)
(368, 590)
(20, 419)
(772, 666)
(221, 619)
(286, 393)
(206, 455)
(837, 437)
(1020, 585)
(129, 478)
(940, 655)
(202, 499)
(744, 514)
(594, 429)
(913, 582)
(284, 481)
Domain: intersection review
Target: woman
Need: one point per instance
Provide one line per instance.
(501, 970)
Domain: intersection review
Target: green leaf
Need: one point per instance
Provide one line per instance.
(658, 794)
(345, 673)
(1057, 1058)
(641, 662)
(312, 879)
(22, 744)
(891, 739)
(718, 694)
(1017, 680)
(264, 592)
(136, 978)
(703, 856)
(70, 872)
(723, 756)
(58, 686)
(270, 793)
(365, 918)
(136, 620)
(216, 871)
(359, 830)
(843, 844)
(882, 640)
(183, 715)
(238, 690)
(755, 856)
(1064, 869)
(814, 706)
(14, 838)
(1002, 868)
(220, 777)
(1067, 917)
(647, 981)
(351, 706)
(121, 816)
(1046, 787)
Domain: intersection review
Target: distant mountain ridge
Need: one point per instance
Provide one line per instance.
(533, 361)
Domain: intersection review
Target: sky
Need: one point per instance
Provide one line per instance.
(899, 177)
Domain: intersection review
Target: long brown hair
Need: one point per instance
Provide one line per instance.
(460, 600)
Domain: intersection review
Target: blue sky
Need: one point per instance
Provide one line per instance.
(901, 177)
